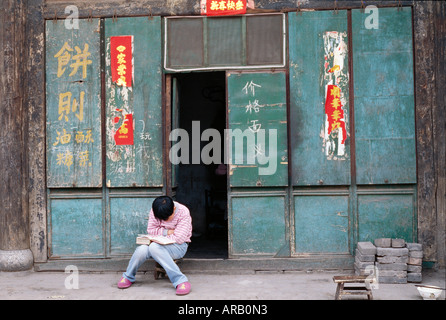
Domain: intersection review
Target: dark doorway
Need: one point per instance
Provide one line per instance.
(202, 187)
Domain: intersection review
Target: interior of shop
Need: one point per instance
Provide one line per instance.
(201, 96)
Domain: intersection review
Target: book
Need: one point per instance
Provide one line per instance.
(147, 239)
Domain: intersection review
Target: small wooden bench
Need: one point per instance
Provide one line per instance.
(160, 273)
(352, 290)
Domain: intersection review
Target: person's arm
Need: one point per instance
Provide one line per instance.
(154, 226)
(182, 230)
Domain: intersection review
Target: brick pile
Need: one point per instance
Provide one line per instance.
(415, 261)
(391, 260)
(365, 258)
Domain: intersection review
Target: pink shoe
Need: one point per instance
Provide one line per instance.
(183, 288)
(124, 283)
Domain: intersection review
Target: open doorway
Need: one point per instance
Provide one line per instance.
(201, 102)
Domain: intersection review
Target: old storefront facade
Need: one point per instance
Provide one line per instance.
(120, 103)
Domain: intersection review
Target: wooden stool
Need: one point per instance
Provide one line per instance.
(356, 290)
(159, 272)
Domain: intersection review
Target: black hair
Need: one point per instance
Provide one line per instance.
(162, 207)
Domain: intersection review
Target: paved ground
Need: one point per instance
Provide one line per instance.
(292, 285)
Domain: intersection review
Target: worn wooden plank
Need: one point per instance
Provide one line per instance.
(107, 8)
(76, 227)
(439, 129)
(319, 154)
(13, 170)
(257, 105)
(128, 216)
(73, 105)
(35, 102)
(252, 231)
(426, 45)
(384, 98)
(321, 228)
(386, 216)
(140, 163)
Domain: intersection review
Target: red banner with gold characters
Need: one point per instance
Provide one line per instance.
(121, 56)
(334, 111)
(124, 135)
(225, 7)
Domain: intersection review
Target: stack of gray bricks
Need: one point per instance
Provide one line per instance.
(415, 261)
(365, 258)
(391, 260)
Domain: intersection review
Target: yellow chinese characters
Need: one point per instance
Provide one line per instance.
(121, 66)
(66, 157)
(222, 5)
(67, 105)
(80, 60)
(72, 61)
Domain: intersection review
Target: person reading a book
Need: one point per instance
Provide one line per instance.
(172, 220)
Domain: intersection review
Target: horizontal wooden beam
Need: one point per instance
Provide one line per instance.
(55, 9)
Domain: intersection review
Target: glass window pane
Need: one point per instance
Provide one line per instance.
(264, 37)
(224, 41)
(185, 42)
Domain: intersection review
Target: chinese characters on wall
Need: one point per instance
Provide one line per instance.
(223, 7)
(335, 78)
(121, 57)
(73, 105)
(74, 62)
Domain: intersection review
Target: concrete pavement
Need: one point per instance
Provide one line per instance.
(260, 285)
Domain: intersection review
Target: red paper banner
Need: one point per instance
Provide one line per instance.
(334, 111)
(124, 135)
(121, 60)
(225, 7)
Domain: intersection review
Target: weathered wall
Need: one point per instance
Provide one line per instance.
(13, 162)
(429, 31)
(107, 8)
(35, 106)
(429, 42)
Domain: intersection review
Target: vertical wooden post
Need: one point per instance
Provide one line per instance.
(430, 99)
(35, 109)
(14, 222)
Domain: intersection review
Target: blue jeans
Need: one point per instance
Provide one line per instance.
(164, 255)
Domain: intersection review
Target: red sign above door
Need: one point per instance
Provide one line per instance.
(224, 7)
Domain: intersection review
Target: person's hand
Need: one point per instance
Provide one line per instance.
(169, 232)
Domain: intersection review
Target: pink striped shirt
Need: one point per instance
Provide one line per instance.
(181, 222)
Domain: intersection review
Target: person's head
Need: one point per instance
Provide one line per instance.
(163, 207)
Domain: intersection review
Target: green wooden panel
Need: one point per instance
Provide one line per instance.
(386, 216)
(258, 129)
(138, 164)
(318, 43)
(73, 105)
(128, 218)
(76, 227)
(384, 98)
(257, 225)
(323, 227)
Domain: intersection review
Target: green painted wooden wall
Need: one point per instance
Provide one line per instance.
(73, 105)
(384, 98)
(309, 59)
(140, 164)
(257, 114)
